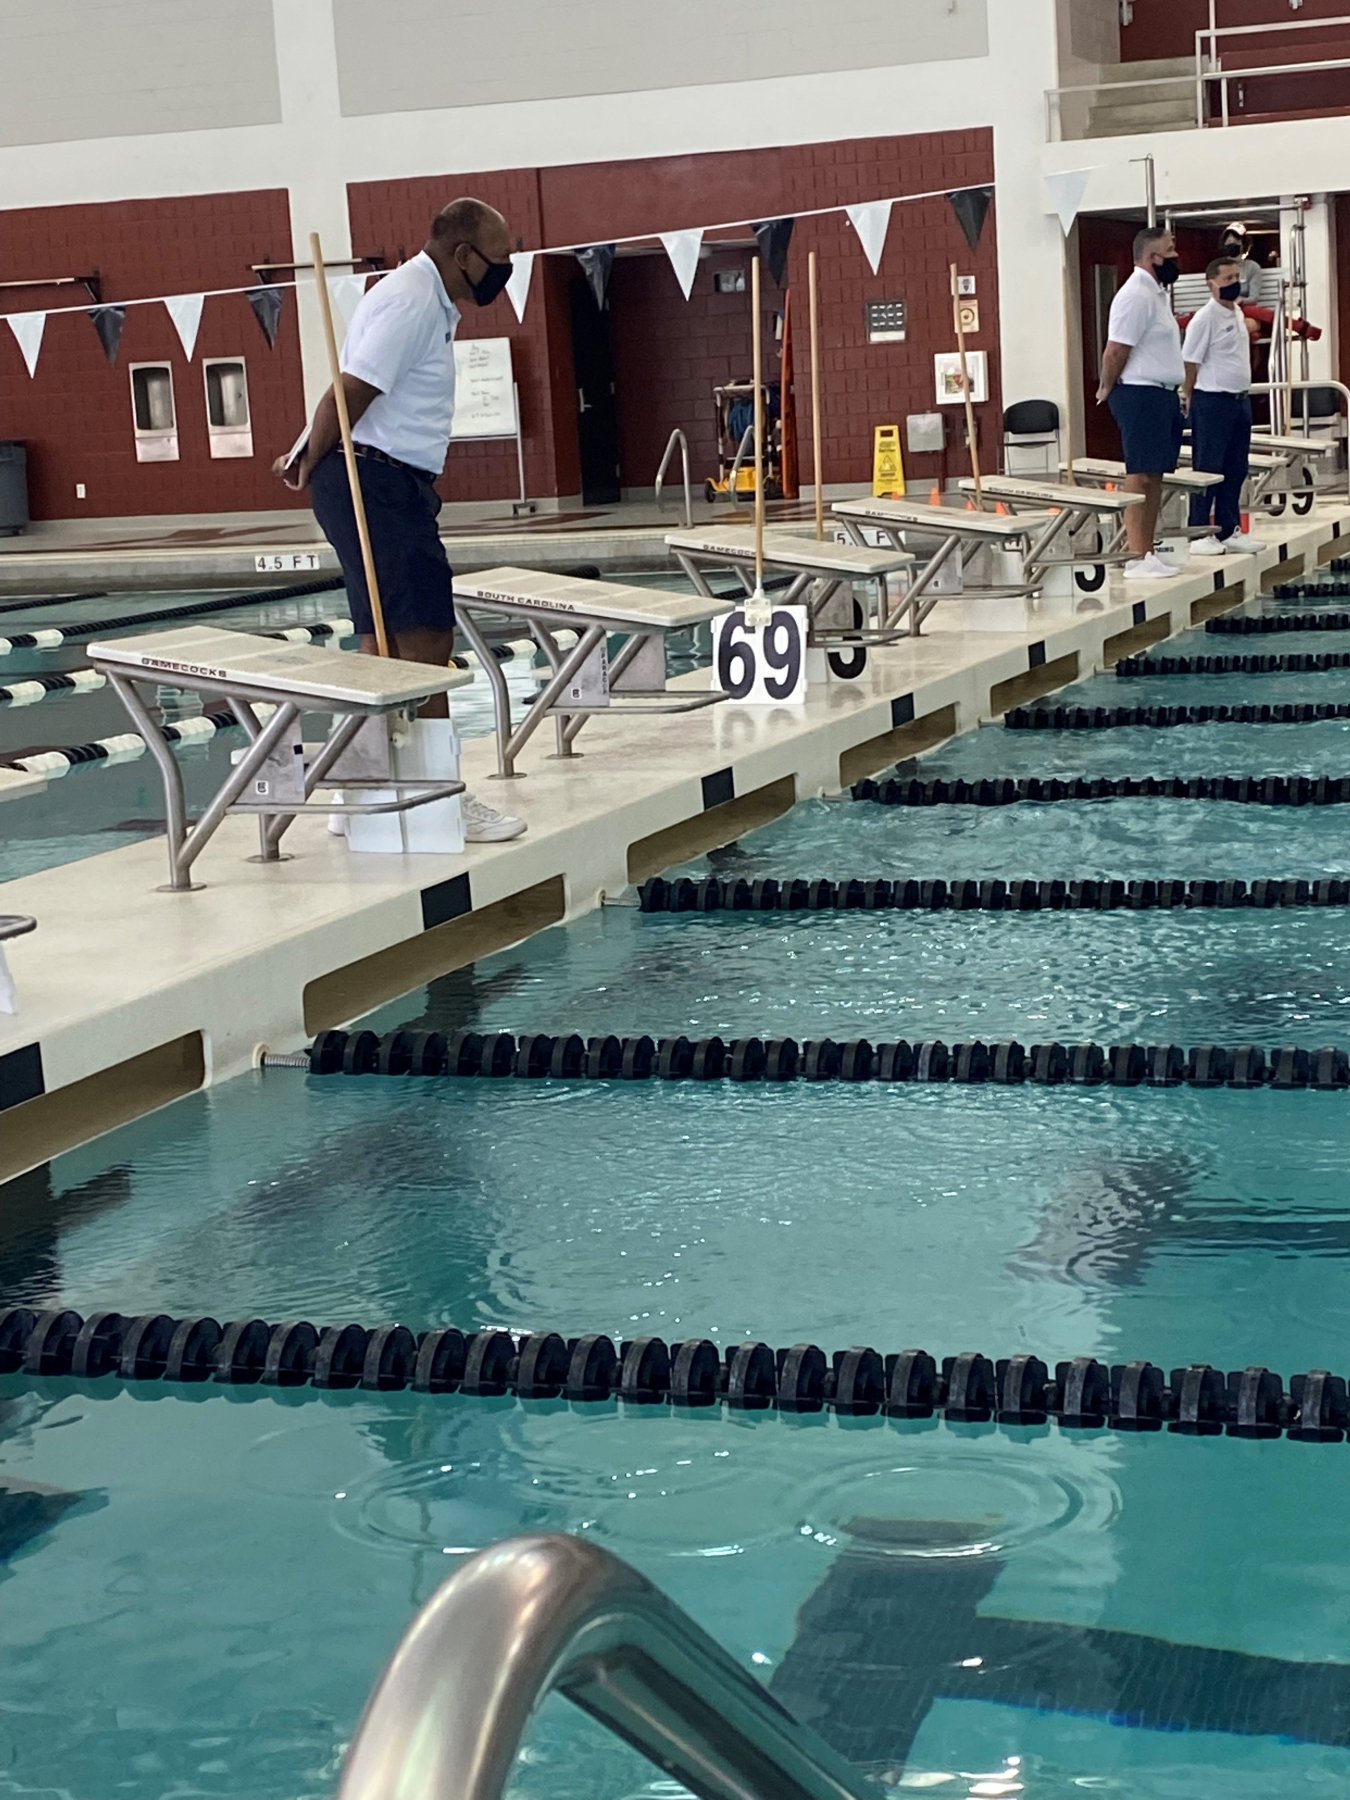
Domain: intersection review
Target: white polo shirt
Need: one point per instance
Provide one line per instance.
(1217, 338)
(402, 341)
(1141, 316)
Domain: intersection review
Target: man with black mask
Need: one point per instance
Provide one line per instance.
(1141, 373)
(398, 372)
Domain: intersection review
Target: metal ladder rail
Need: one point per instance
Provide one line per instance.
(677, 436)
(532, 1615)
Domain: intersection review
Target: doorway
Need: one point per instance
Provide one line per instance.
(597, 409)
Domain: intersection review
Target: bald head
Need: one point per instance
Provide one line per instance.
(467, 237)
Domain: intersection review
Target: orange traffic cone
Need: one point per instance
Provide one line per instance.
(935, 495)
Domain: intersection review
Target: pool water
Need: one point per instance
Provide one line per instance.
(207, 1582)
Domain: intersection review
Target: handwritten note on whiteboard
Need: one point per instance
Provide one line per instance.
(484, 396)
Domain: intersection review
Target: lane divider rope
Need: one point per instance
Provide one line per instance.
(1109, 718)
(686, 895)
(498, 1055)
(37, 687)
(51, 637)
(1081, 1393)
(1245, 624)
(122, 747)
(1310, 664)
(1251, 790)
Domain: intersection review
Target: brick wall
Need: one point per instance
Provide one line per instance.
(75, 414)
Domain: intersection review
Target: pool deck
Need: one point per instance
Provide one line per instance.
(130, 997)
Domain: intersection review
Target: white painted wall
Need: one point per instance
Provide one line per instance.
(72, 70)
(407, 55)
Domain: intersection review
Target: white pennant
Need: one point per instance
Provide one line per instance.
(682, 247)
(870, 220)
(347, 291)
(1066, 190)
(27, 328)
(518, 287)
(186, 312)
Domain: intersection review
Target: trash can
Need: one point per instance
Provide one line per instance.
(13, 487)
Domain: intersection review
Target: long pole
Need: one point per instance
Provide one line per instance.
(348, 448)
(757, 329)
(965, 389)
(815, 395)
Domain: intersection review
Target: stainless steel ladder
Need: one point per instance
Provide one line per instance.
(532, 1615)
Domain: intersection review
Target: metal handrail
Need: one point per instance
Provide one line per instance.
(1207, 69)
(747, 439)
(677, 436)
(533, 1615)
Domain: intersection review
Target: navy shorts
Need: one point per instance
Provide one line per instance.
(1150, 427)
(416, 586)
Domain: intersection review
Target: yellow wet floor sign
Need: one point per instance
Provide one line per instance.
(888, 469)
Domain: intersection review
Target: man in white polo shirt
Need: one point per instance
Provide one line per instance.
(1141, 374)
(398, 373)
(1217, 392)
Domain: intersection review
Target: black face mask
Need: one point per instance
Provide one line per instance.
(1167, 271)
(493, 279)
(1230, 290)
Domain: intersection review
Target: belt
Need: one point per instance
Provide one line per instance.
(373, 455)
(1167, 387)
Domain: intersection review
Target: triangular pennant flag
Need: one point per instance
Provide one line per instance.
(682, 247)
(971, 206)
(1066, 192)
(597, 260)
(108, 322)
(870, 220)
(27, 328)
(186, 312)
(347, 291)
(266, 303)
(518, 287)
(774, 236)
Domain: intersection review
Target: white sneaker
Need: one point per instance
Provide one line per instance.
(485, 825)
(1163, 565)
(1140, 570)
(1208, 546)
(1243, 540)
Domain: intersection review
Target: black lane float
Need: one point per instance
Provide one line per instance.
(1110, 718)
(686, 895)
(1250, 790)
(498, 1055)
(1312, 663)
(191, 730)
(1245, 624)
(1081, 1393)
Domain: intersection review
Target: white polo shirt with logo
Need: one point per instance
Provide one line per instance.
(1217, 338)
(402, 341)
(1141, 316)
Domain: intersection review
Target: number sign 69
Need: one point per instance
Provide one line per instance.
(763, 666)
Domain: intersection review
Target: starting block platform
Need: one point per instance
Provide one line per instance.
(584, 680)
(293, 679)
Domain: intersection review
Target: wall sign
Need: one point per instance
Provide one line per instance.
(485, 400)
(885, 321)
(764, 666)
(947, 369)
(279, 562)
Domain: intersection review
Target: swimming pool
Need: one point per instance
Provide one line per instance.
(975, 1609)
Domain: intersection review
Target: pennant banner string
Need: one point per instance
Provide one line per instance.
(641, 237)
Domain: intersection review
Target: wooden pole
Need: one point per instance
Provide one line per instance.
(815, 396)
(757, 329)
(348, 448)
(965, 388)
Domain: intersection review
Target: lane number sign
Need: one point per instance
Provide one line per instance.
(763, 666)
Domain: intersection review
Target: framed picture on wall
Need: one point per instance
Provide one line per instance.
(947, 369)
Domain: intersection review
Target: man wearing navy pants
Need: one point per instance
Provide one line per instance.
(1218, 358)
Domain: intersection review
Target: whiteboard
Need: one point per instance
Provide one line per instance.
(485, 403)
